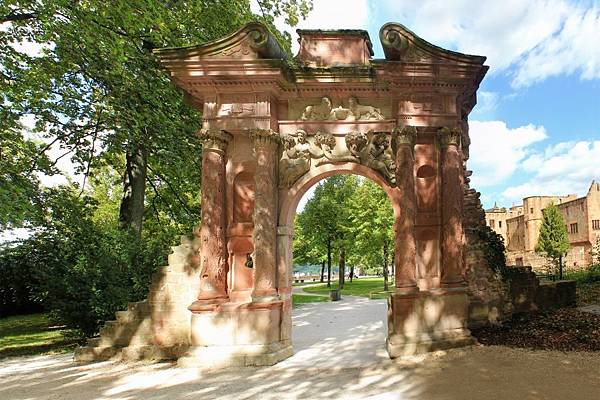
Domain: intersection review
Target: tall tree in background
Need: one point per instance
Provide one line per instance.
(372, 221)
(553, 240)
(323, 224)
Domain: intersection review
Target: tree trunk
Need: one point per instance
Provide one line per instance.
(393, 264)
(351, 272)
(322, 271)
(385, 265)
(342, 267)
(560, 268)
(131, 211)
(328, 262)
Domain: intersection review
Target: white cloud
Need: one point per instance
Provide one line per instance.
(565, 168)
(487, 102)
(327, 14)
(575, 48)
(496, 150)
(536, 39)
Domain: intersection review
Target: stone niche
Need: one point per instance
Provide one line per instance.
(330, 48)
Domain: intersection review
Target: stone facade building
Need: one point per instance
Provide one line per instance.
(520, 227)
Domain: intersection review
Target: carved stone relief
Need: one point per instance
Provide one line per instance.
(371, 149)
(325, 111)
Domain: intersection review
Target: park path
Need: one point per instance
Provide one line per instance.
(340, 354)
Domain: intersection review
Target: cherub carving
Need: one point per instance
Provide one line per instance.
(371, 151)
(363, 112)
(296, 158)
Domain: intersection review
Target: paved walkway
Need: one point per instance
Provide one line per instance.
(339, 355)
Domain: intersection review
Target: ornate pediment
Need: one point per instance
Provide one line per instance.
(251, 42)
(401, 44)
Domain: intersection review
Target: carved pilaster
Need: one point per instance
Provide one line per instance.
(264, 234)
(452, 208)
(213, 249)
(405, 246)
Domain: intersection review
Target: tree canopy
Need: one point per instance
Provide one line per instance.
(346, 212)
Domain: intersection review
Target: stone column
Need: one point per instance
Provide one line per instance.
(264, 235)
(452, 205)
(405, 247)
(213, 248)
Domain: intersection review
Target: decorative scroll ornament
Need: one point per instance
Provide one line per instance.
(449, 137)
(355, 111)
(214, 139)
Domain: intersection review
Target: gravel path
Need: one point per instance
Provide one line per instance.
(340, 354)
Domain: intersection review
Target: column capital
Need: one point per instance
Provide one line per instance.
(405, 135)
(264, 137)
(214, 139)
(449, 136)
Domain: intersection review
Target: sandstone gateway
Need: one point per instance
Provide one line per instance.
(273, 127)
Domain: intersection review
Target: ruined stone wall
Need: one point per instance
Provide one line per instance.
(158, 327)
(488, 301)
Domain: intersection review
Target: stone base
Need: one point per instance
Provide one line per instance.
(427, 321)
(237, 335)
(215, 357)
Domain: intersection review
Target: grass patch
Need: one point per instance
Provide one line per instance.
(298, 299)
(358, 287)
(33, 334)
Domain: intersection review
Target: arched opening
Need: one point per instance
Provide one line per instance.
(354, 328)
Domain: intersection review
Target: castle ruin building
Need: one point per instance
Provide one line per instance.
(520, 228)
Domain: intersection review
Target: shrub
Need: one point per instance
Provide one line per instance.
(83, 271)
(493, 249)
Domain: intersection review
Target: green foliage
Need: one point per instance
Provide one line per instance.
(82, 270)
(363, 287)
(494, 250)
(553, 240)
(372, 227)
(350, 212)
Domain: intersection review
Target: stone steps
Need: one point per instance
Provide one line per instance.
(130, 335)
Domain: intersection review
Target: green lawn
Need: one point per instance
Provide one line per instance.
(358, 287)
(32, 334)
(298, 299)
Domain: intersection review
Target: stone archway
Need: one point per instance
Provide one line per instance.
(271, 128)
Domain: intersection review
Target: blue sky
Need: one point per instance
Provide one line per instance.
(536, 128)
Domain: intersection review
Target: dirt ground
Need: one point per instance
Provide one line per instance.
(339, 354)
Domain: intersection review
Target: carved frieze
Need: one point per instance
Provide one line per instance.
(324, 111)
(371, 149)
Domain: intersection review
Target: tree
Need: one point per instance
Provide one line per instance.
(96, 90)
(553, 240)
(372, 230)
(323, 224)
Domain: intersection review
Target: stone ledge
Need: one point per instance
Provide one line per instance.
(217, 357)
(399, 345)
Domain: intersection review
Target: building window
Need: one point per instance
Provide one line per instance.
(596, 224)
(574, 228)
(500, 224)
(531, 211)
(492, 223)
